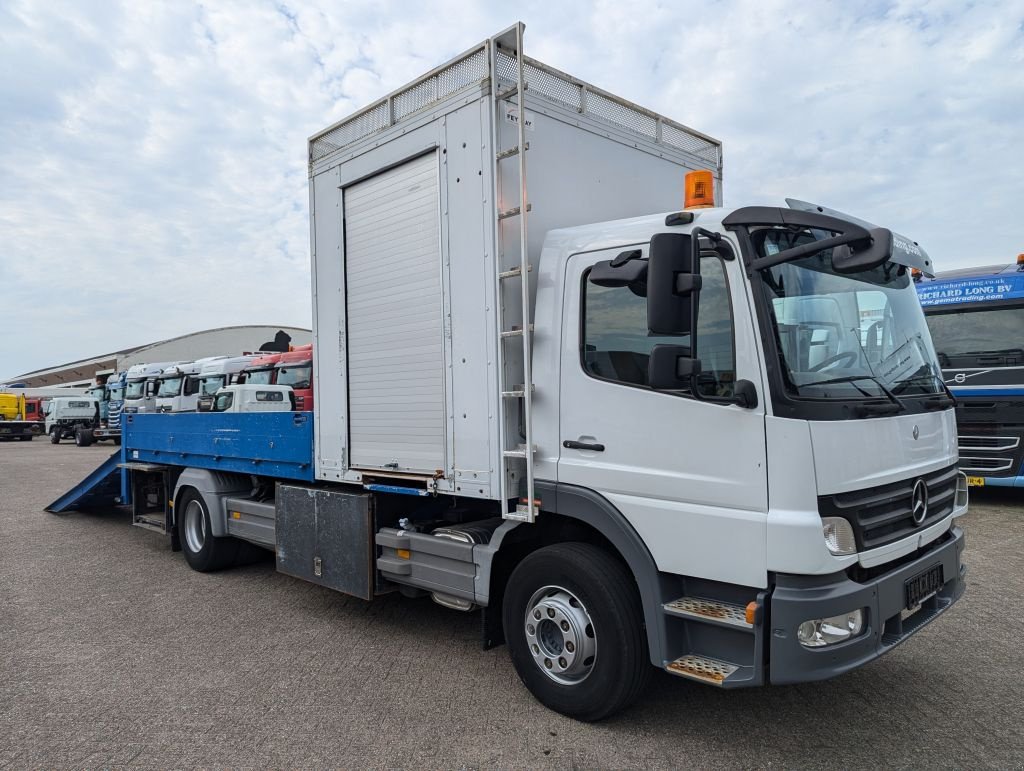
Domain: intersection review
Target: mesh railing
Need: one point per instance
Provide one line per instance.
(541, 80)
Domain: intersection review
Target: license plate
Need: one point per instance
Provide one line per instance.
(922, 586)
(975, 481)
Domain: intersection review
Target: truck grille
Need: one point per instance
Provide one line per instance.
(881, 515)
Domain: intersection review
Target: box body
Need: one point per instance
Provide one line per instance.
(407, 245)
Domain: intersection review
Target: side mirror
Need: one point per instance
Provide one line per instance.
(670, 368)
(673, 283)
(204, 404)
(845, 259)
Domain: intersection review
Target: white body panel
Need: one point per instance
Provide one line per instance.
(581, 169)
(69, 408)
(396, 351)
(255, 398)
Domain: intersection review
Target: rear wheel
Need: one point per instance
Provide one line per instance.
(83, 436)
(203, 551)
(55, 435)
(574, 627)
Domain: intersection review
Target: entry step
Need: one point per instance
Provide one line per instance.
(151, 522)
(712, 611)
(702, 669)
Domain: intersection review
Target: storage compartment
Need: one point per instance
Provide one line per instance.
(326, 537)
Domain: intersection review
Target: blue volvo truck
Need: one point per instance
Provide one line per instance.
(976, 319)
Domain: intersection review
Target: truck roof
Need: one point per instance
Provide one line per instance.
(227, 365)
(138, 371)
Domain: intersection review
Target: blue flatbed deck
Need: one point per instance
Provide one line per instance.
(277, 444)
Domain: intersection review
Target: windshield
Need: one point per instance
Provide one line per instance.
(115, 392)
(210, 384)
(97, 393)
(296, 377)
(170, 386)
(846, 336)
(978, 332)
(135, 389)
(222, 401)
(260, 376)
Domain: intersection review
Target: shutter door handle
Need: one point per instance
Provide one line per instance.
(573, 445)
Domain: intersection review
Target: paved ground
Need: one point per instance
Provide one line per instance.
(114, 653)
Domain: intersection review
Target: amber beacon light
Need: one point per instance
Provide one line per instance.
(700, 190)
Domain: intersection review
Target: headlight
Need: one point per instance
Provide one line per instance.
(838, 534)
(819, 632)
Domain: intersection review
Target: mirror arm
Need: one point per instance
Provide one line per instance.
(813, 247)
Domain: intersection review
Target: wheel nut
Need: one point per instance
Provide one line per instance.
(565, 626)
(562, 663)
(536, 614)
(531, 630)
(569, 646)
(547, 663)
(536, 649)
(551, 612)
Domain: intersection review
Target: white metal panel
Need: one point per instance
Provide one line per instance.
(328, 322)
(395, 333)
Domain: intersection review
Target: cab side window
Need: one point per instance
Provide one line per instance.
(617, 344)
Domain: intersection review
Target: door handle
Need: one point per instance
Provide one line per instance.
(573, 445)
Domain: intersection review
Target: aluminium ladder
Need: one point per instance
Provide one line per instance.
(509, 45)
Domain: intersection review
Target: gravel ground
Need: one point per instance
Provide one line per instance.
(114, 653)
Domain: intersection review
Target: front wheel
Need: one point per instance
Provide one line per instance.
(574, 627)
(55, 435)
(203, 551)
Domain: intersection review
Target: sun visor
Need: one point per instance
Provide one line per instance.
(905, 251)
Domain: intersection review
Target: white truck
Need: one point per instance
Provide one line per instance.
(178, 386)
(217, 374)
(66, 414)
(141, 385)
(245, 397)
(633, 432)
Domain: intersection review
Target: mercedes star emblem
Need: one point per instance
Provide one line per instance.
(919, 502)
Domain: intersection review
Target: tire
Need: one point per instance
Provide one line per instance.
(569, 585)
(55, 435)
(83, 437)
(203, 551)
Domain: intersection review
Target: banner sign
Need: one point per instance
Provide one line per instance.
(971, 290)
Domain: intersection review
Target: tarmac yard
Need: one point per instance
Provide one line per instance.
(114, 653)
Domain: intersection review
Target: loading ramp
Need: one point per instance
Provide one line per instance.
(102, 487)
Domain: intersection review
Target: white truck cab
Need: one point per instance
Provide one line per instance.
(178, 385)
(66, 413)
(141, 384)
(246, 397)
(217, 374)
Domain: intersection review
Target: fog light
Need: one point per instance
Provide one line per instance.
(819, 632)
(838, 534)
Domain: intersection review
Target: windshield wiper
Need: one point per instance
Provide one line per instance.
(896, 404)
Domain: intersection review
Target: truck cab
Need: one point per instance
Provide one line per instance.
(295, 369)
(250, 397)
(976, 319)
(141, 385)
(262, 370)
(178, 386)
(66, 414)
(217, 374)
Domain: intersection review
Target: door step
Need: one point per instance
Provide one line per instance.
(155, 523)
(702, 669)
(711, 611)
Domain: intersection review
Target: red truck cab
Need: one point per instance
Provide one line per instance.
(295, 369)
(261, 371)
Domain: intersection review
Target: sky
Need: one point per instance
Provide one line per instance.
(153, 176)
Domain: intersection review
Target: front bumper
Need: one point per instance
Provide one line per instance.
(799, 598)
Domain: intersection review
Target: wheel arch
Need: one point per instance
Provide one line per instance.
(571, 513)
(213, 487)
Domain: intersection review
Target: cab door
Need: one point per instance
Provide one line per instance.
(688, 474)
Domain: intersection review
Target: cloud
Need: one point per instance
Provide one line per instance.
(152, 156)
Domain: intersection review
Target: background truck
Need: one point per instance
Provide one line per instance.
(214, 375)
(178, 385)
(66, 414)
(20, 417)
(247, 397)
(141, 385)
(976, 318)
(110, 404)
(295, 369)
(628, 438)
